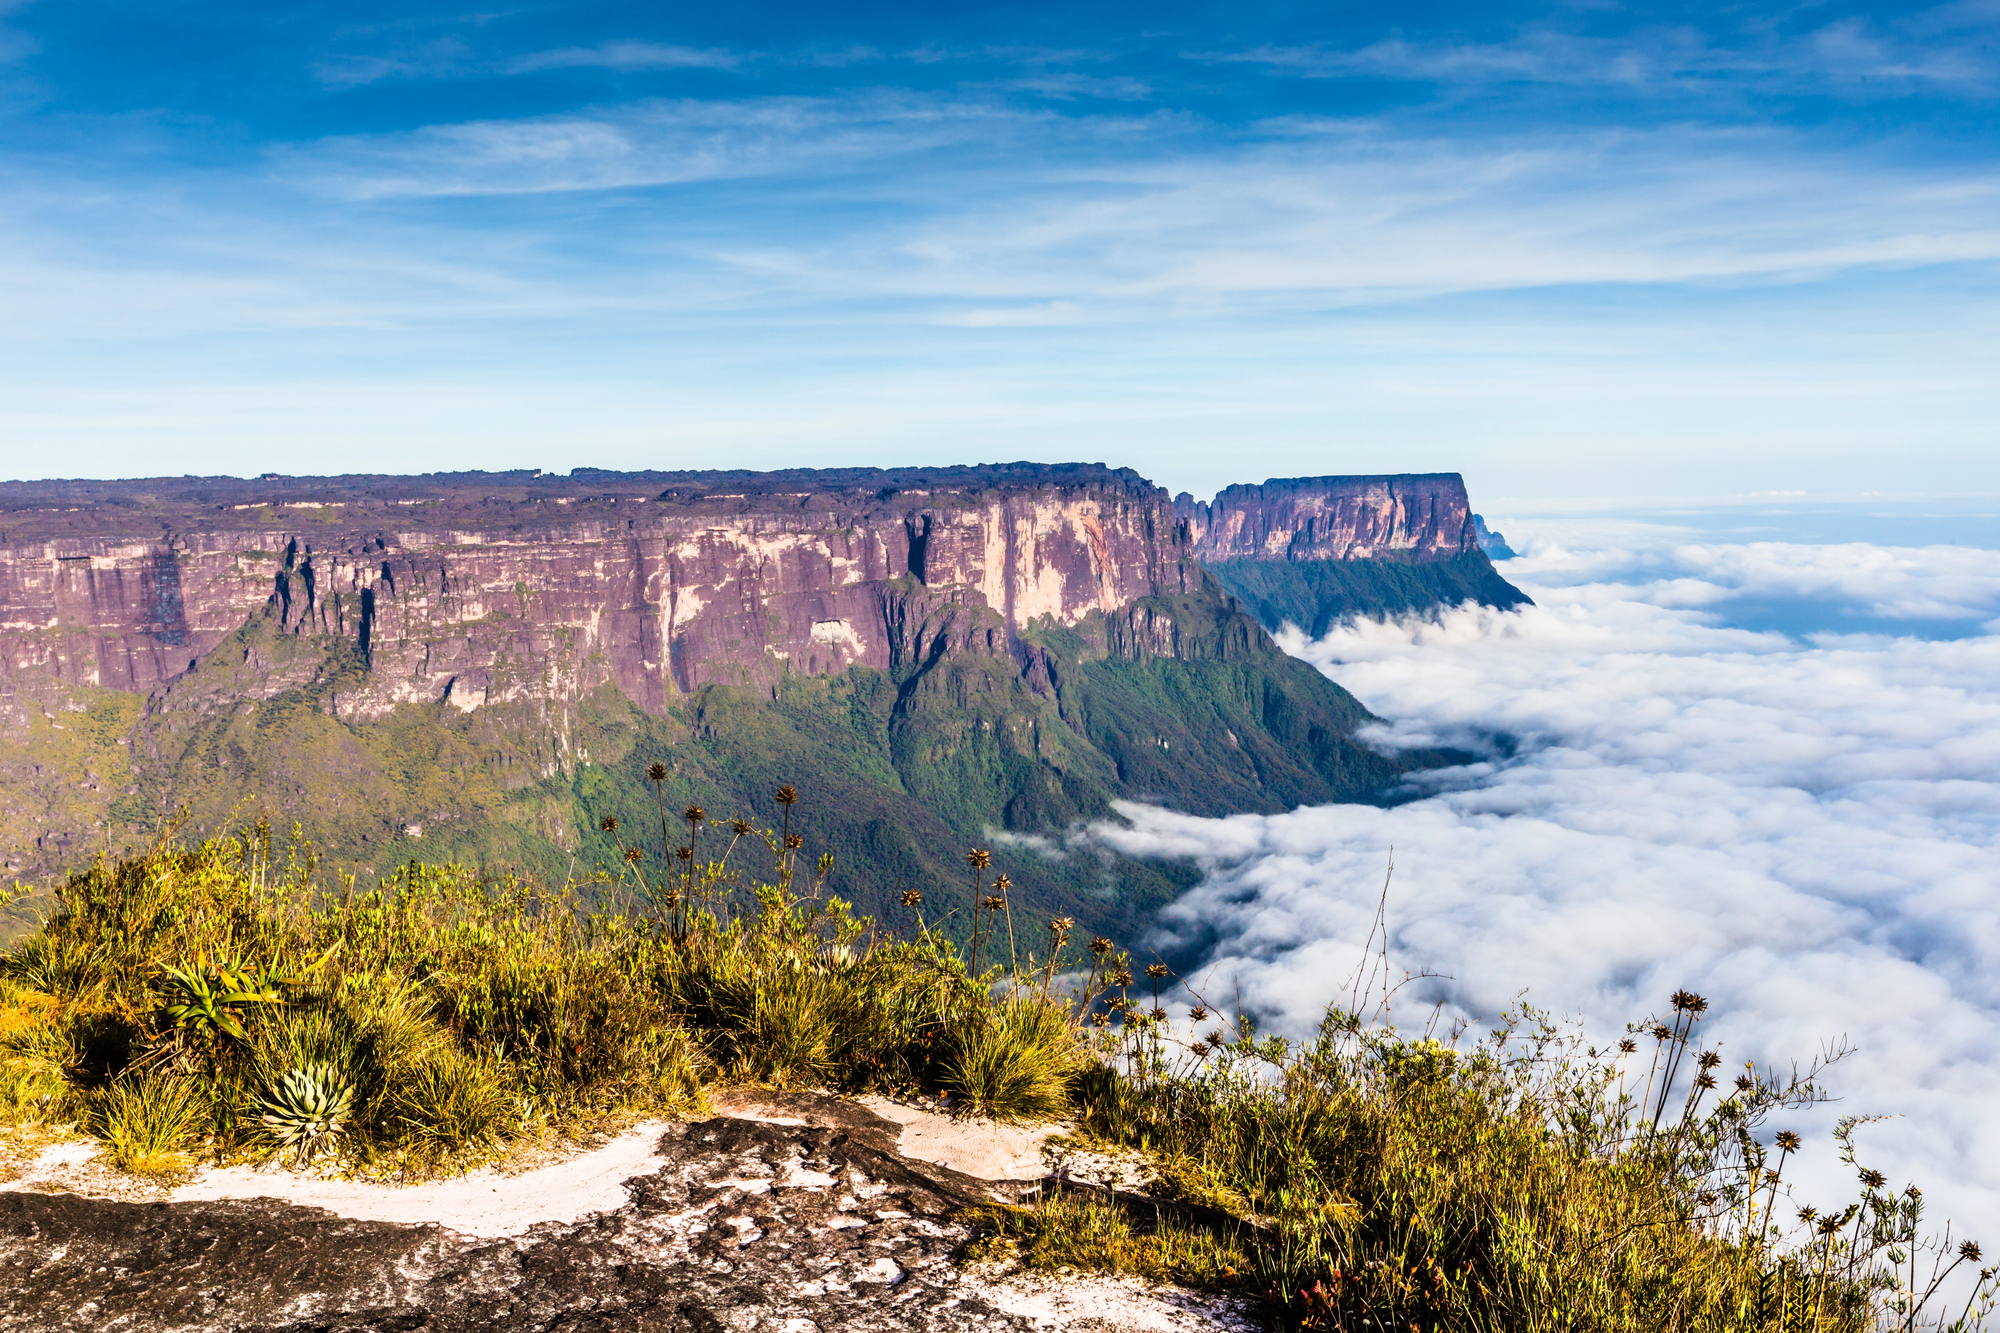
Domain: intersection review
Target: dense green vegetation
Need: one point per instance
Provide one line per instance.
(1179, 700)
(209, 1002)
(1316, 595)
(1524, 1181)
(200, 1002)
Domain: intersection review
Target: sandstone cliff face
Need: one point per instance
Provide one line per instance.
(454, 597)
(1411, 519)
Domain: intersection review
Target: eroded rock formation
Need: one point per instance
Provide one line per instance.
(1315, 551)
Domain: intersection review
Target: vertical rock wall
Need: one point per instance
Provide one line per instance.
(553, 596)
(1412, 518)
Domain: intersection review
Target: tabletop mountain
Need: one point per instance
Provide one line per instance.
(484, 665)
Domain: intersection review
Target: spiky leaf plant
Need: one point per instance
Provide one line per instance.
(307, 1109)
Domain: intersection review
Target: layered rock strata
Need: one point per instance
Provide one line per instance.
(1314, 551)
(470, 593)
(1411, 518)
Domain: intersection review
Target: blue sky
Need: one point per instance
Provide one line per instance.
(1587, 250)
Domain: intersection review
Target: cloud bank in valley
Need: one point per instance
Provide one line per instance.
(1802, 829)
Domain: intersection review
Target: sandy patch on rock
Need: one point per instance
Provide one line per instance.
(1089, 1303)
(1013, 1154)
(984, 1149)
(58, 1161)
(484, 1203)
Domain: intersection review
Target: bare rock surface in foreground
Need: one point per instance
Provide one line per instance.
(747, 1225)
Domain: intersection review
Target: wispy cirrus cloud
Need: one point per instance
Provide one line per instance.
(455, 57)
(1081, 197)
(1127, 209)
(626, 55)
(1949, 48)
(1067, 85)
(648, 143)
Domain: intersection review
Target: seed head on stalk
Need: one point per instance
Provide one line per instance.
(978, 859)
(1001, 885)
(787, 796)
(657, 775)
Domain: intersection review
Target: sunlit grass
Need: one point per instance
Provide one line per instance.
(201, 1003)
(428, 1024)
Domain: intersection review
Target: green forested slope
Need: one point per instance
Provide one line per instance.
(1316, 595)
(1183, 701)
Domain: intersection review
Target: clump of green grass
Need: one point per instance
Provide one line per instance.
(148, 1121)
(451, 1105)
(1069, 1231)
(1013, 1061)
(424, 1025)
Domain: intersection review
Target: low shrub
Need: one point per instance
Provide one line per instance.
(1522, 1181)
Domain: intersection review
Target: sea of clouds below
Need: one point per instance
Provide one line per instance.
(1801, 827)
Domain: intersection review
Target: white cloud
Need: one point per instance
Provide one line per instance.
(1807, 833)
(647, 143)
(431, 59)
(1946, 48)
(628, 55)
(1423, 295)
(1067, 84)
(990, 201)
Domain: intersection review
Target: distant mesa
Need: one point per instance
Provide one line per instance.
(1493, 543)
(1314, 551)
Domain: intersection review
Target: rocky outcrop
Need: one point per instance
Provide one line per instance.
(1493, 543)
(747, 1226)
(482, 667)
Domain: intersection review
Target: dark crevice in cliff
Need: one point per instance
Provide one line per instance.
(917, 529)
(365, 634)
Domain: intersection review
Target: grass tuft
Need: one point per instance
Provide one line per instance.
(1069, 1232)
(451, 1106)
(1014, 1061)
(148, 1121)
